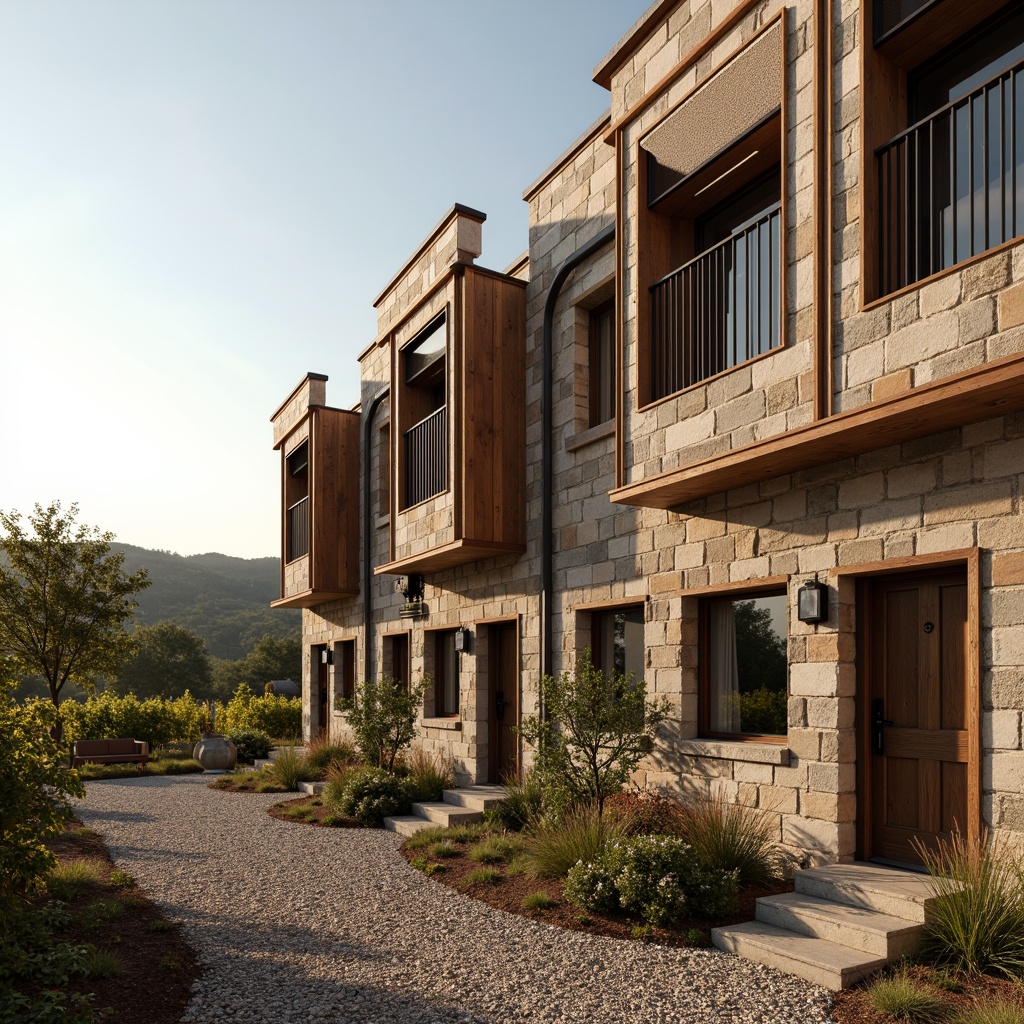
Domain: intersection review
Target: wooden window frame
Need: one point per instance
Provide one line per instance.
(347, 689)
(596, 629)
(390, 641)
(705, 599)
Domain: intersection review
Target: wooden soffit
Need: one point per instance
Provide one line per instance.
(995, 389)
(447, 556)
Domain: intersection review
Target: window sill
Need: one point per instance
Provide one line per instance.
(758, 753)
(585, 437)
(454, 723)
(383, 521)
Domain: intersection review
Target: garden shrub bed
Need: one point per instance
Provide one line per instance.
(853, 1006)
(248, 781)
(510, 891)
(310, 810)
(157, 765)
(108, 911)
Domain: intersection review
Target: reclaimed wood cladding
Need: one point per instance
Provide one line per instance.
(492, 390)
(334, 502)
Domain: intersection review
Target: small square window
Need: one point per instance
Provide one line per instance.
(602, 364)
(743, 665)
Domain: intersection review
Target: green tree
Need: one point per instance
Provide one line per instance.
(64, 600)
(168, 660)
(760, 651)
(595, 730)
(274, 657)
(35, 782)
(383, 718)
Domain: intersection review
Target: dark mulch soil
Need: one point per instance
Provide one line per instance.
(854, 1007)
(508, 894)
(309, 810)
(159, 967)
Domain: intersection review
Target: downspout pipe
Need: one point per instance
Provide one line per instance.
(371, 412)
(584, 252)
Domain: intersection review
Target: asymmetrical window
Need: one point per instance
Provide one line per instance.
(950, 182)
(743, 665)
(617, 641)
(602, 364)
(446, 674)
(297, 503)
(425, 443)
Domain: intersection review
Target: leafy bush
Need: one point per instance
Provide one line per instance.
(383, 718)
(523, 803)
(657, 877)
(732, 837)
(430, 776)
(595, 731)
(273, 714)
(371, 795)
(978, 918)
(250, 745)
(900, 997)
(338, 775)
(35, 784)
(289, 769)
(647, 813)
(765, 711)
(581, 835)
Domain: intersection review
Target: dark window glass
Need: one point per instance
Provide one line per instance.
(618, 641)
(446, 679)
(602, 364)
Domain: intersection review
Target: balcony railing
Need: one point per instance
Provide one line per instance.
(952, 185)
(426, 458)
(297, 530)
(718, 310)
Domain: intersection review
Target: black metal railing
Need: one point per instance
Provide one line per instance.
(718, 310)
(297, 530)
(952, 185)
(426, 458)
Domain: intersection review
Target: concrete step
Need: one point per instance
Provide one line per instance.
(856, 927)
(441, 813)
(817, 960)
(408, 824)
(903, 894)
(312, 788)
(476, 798)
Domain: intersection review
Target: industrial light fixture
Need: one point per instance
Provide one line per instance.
(812, 602)
(462, 637)
(327, 656)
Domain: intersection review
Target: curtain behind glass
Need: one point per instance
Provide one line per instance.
(724, 688)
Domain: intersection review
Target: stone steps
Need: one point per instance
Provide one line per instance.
(843, 922)
(461, 806)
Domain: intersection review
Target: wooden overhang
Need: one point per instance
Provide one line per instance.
(995, 389)
(310, 598)
(447, 556)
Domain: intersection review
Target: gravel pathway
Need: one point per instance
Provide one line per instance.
(298, 924)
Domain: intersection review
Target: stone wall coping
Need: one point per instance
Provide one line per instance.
(295, 390)
(631, 41)
(596, 129)
(759, 753)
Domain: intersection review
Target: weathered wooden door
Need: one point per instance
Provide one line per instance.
(503, 701)
(323, 693)
(914, 764)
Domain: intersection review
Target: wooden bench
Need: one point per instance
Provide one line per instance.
(110, 752)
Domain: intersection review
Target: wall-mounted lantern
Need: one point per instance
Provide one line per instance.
(462, 639)
(812, 602)
(327, 656)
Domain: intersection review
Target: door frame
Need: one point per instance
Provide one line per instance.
(488, 624)
(968, 559)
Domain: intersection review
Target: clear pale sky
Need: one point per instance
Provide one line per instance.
(199, 201)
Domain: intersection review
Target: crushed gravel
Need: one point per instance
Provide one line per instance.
(299, 924)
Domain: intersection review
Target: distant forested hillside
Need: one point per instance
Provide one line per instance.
(223, 599)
